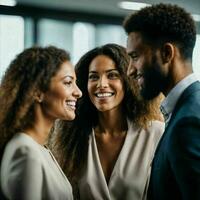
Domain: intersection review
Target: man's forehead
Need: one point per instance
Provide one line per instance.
(133, 40)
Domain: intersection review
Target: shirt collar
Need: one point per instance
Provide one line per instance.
(167, 106)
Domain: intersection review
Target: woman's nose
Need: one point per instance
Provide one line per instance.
(77, 92)
(102, 82)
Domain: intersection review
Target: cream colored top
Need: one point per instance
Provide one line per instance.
(130, 176)
(29, 171)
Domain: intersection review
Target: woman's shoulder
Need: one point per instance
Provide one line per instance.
(21, 145)
(20, 156)
(157, 124)
(155, 130)
(154, 125)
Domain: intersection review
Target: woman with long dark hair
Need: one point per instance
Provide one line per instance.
(107, 150)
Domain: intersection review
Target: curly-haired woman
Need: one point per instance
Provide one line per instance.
(38, 88)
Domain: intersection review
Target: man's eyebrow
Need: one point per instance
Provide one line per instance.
(109, 70)
(132, 53)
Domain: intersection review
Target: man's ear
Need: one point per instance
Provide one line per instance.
(38, 96)
(167, 52)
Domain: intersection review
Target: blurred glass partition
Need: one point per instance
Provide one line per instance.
(196, 57)
(83, 39)
(79, 37)
(75, 36)
(28, 32)
(110, 34)
(87, 36)
(55, 32)
(11, 39)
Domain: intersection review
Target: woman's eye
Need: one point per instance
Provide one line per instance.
(113, 75)
(68, 83)
(93, 77)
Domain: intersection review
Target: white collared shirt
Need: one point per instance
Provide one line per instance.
(171, 99)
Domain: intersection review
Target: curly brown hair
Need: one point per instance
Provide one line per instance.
(162, 23)
(30, 71)
(73, 141)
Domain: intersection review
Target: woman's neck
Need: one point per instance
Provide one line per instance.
(40, 128)
(112, 122)
(38, 132)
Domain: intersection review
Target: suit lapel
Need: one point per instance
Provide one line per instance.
(187, 92)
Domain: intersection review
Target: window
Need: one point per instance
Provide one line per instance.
(83, 39)
(196, 57)
(17, 33)
(110, 34)
(28, 32)
(12, 39)
(54, 32)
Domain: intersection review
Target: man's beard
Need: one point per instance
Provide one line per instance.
(154, 81)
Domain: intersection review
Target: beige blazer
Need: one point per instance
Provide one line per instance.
(29, 171)
(130, 177)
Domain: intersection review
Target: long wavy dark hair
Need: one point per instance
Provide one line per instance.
(30, 71)
(72, 143)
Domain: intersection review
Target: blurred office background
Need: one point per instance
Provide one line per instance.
(75, 25)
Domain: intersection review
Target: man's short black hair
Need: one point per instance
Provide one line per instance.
(164, 23)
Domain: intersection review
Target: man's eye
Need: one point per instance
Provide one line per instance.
(134, 58)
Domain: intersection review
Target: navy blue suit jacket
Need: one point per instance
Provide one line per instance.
(176, 165)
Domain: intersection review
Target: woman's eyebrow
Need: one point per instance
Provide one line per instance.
(68, 76)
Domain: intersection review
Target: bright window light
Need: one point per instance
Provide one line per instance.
(196, 18)
(10, 44)
(8, 2)
(137, 6)
(132, 5)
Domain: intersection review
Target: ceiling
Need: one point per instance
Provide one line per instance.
(106, 6)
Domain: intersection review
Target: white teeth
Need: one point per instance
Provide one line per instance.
(106, 94)
(71, 103)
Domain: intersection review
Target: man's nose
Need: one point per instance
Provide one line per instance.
(131, 70)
